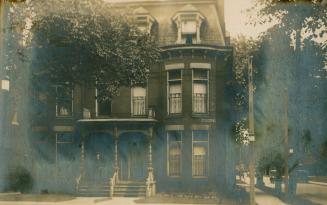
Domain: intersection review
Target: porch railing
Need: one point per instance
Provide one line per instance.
(175, 103)
(139, 105)
(199, 103)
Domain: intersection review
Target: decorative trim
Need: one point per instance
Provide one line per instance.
(201, 65)
(174, 127)
(200, 127)
(60, 128)
(174, 66)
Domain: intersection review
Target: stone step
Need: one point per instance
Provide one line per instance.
(129, 195)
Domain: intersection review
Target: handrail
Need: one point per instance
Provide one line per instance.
(150, 183)
(112, 182)
(78, 180)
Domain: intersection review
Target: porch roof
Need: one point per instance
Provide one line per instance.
(127, 120)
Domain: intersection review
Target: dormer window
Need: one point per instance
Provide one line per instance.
(143, 19)
(188, 21)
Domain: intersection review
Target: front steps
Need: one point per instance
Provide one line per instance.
(130, 189)
(121, 189)
(92, 189)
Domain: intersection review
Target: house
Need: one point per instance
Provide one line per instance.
(168, 136)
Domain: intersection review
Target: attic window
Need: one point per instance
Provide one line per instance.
(188, 20)
(144, 20)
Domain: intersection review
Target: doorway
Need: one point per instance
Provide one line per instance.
(133, 152)
(99, 157)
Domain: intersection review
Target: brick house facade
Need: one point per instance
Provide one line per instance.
(168, 136)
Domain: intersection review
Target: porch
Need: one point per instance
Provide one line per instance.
(116, 157)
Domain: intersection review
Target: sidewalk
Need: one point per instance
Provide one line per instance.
(261, 197)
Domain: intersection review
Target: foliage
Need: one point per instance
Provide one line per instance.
(85, 42)
(293, 15)
(20, 180)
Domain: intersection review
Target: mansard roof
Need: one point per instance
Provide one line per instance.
(141, 10)
(188, 8)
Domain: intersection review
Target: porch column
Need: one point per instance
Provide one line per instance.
(82, 155)
(82, 161)
(115, 178)
(150, 182)
(116, 149)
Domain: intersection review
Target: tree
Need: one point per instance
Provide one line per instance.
(85, 43)
(293, 17)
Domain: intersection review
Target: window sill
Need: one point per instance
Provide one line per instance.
(174, 177)
(200, 177)
(64, 117)
(139, 116)
(196, 114)
(177, 115)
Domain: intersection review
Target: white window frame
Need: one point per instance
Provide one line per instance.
(208, 156)
(72, 104)
(168, 91)
(192, 16)
(145, 101)
(207, 80)
(181, 155)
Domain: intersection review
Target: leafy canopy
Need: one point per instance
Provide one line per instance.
(86, 42)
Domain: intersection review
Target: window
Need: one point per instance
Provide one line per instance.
(188, 21)
(64, 137)
(200, 153)
(200, 90)
(102, 106)
(174, 91)
(174, 151)
(143, 19)
(138, 101)
(64, 100)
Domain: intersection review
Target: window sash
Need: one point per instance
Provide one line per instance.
(139, 105)
(64, 101)
(138, 101)
(200, 153)
(174, 152)
(175, 103)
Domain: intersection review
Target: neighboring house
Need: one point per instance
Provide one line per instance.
(168, 136)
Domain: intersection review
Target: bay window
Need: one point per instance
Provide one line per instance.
(200, 90)
(174, 91)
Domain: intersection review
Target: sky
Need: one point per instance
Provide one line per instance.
(236, 18)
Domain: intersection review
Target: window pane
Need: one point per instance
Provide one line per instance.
(200, 88)
(200, 135)
(175, 75)
(139, 91)
(200, 153)
(64, 100)
(174, 152)
(138, 100)
(174, 136)
(200, 159)
(175, 88)
(200, 74)
(64, 137)
(200, 97)
(188, 27)
(104, 107)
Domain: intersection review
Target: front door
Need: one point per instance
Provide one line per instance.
(99, 157)
(133, 161)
